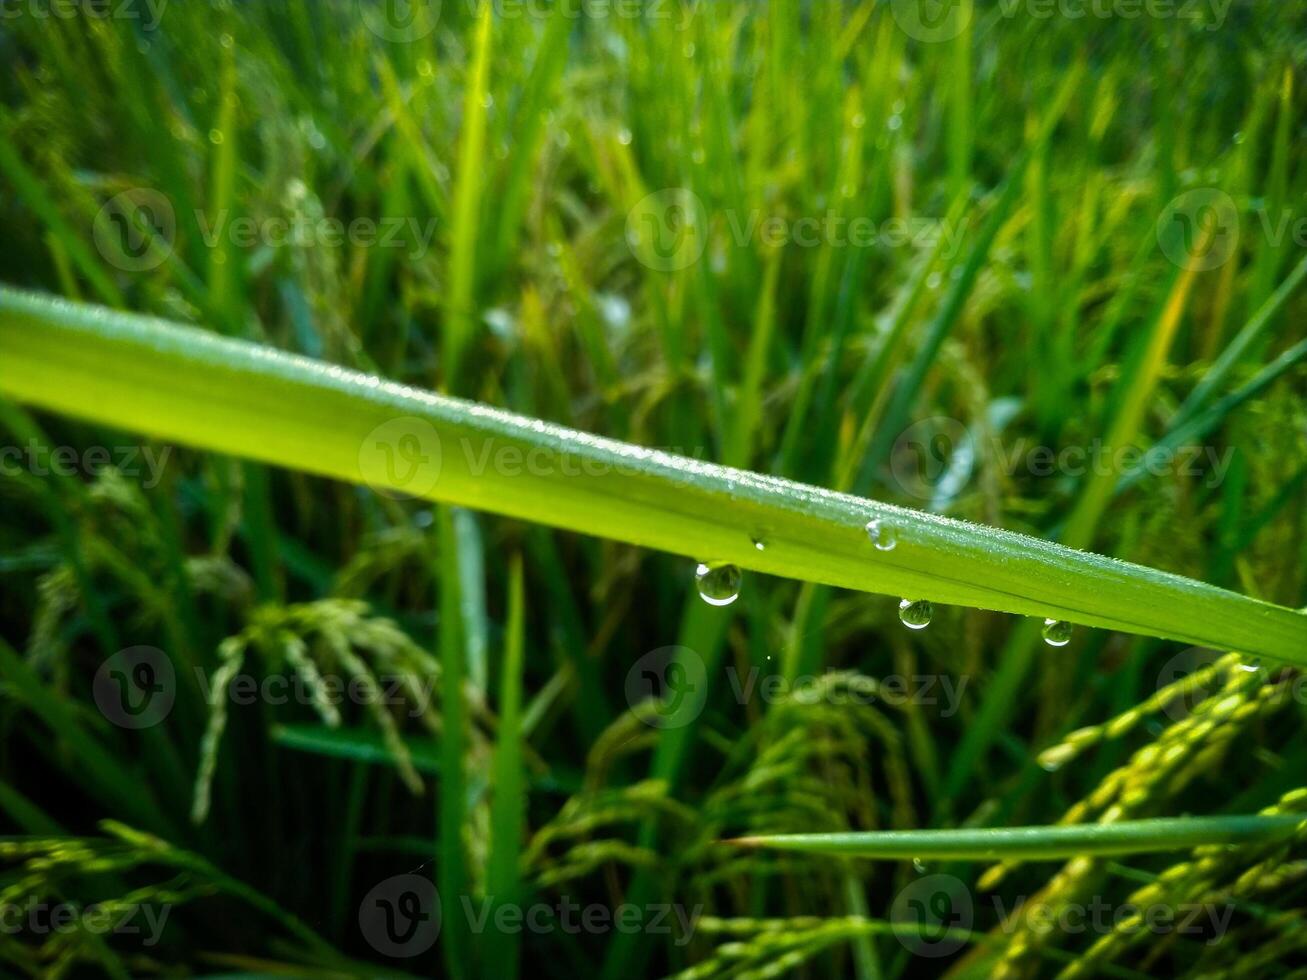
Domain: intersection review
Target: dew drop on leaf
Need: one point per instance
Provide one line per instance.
(916, 613)
(719, 585)
(1056, 632)
(882, 535)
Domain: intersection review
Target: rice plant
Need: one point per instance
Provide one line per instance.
(667, 487)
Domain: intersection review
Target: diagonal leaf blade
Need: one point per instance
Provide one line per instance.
(1047, 843)
(180, 383)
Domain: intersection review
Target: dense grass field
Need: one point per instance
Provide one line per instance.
(776, 386)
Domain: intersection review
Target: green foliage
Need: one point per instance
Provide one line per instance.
(170, 267)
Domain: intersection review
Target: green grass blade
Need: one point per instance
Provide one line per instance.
(29, 187)
(1246, 338)
(226, 395)
(460, 321)
(1051, 843)
(1188, 429)
(508, 808)
(355, 744)
(1132, 392)
(451, 868)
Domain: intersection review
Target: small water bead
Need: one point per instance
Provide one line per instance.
(882, 535)
(1057, 632)
(759, 543)
(916, 614)
(719, 585)
(919, 866)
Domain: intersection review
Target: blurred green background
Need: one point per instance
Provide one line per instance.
(968, 258)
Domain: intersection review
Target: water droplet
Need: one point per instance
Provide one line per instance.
(1239, 137)
(624, 136)
(882, 535)
(758, 542)
(719, 585)
(1251, 667)
(216, 137)
(1057, 632)
(916, 614)
(919, 865)
(1050, 765)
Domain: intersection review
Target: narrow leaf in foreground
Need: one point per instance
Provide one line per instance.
(1051, 843)
(180, 383)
